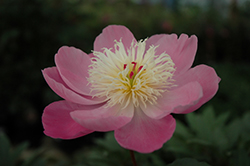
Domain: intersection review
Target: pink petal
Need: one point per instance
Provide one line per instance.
(182, 50)
(207, 78)
(58, 123)
(103, 118)
(144, 134)
(111, 33)
(73, 65)
(56, 83)
(177, 100)
(91, 55)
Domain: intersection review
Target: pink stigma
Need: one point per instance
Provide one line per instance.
(131, 75)
(124, 66)
(139, 69)
(133, 72)
(134, 63)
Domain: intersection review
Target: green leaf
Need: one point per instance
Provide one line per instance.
(18, 150)
(220, 139)
(39, 162)
(209, 129)
(201, 125)
(177, 145)
(208, 114)
(34, 159)
(109, 142)
(5, 151)
(193, 121)
(156, 160)
(245, 130)
(199, 141)
(187, 162)
(182, 130)
(207, 124)
(233, 131)
(240, 158)
(246, 121)
(221, 120)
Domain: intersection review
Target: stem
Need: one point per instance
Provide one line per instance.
(132, 155)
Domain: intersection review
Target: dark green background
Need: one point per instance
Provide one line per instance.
(31, 32)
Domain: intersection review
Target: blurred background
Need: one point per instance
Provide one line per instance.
(31, 32)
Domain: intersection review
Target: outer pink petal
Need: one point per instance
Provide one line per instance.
(73, 65)
(144, 134)
(104, 119)
(177, 100)
(56, 83)
(111, 33)
(57, 122)
(182, 50)
(207, 78)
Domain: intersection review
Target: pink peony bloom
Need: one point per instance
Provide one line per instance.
(127, 86)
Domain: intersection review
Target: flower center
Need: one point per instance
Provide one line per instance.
(130, 75)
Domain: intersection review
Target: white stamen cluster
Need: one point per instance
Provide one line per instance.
(126, 75)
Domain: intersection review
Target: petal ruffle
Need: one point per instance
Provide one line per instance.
(182, 50)
(103, 118)
(177, 100)
(111, 33)
(207, 78)
(144, 134)
(57, 122)
(56, 83)
(73, 65)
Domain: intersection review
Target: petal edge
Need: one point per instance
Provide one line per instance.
(57, 122)
(144, 134)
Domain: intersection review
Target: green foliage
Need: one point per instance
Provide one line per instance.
(109, 153)
(188, 162)
(10, 156)
(215, 139)
(207, 138)
(240, 157)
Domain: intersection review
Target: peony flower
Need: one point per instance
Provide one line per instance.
(129, 86)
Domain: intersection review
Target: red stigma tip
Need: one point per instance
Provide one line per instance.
(134, 63)
(124, 66)
(131, 74)
(139, 69)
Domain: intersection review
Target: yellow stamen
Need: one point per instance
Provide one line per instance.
(126, 75)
